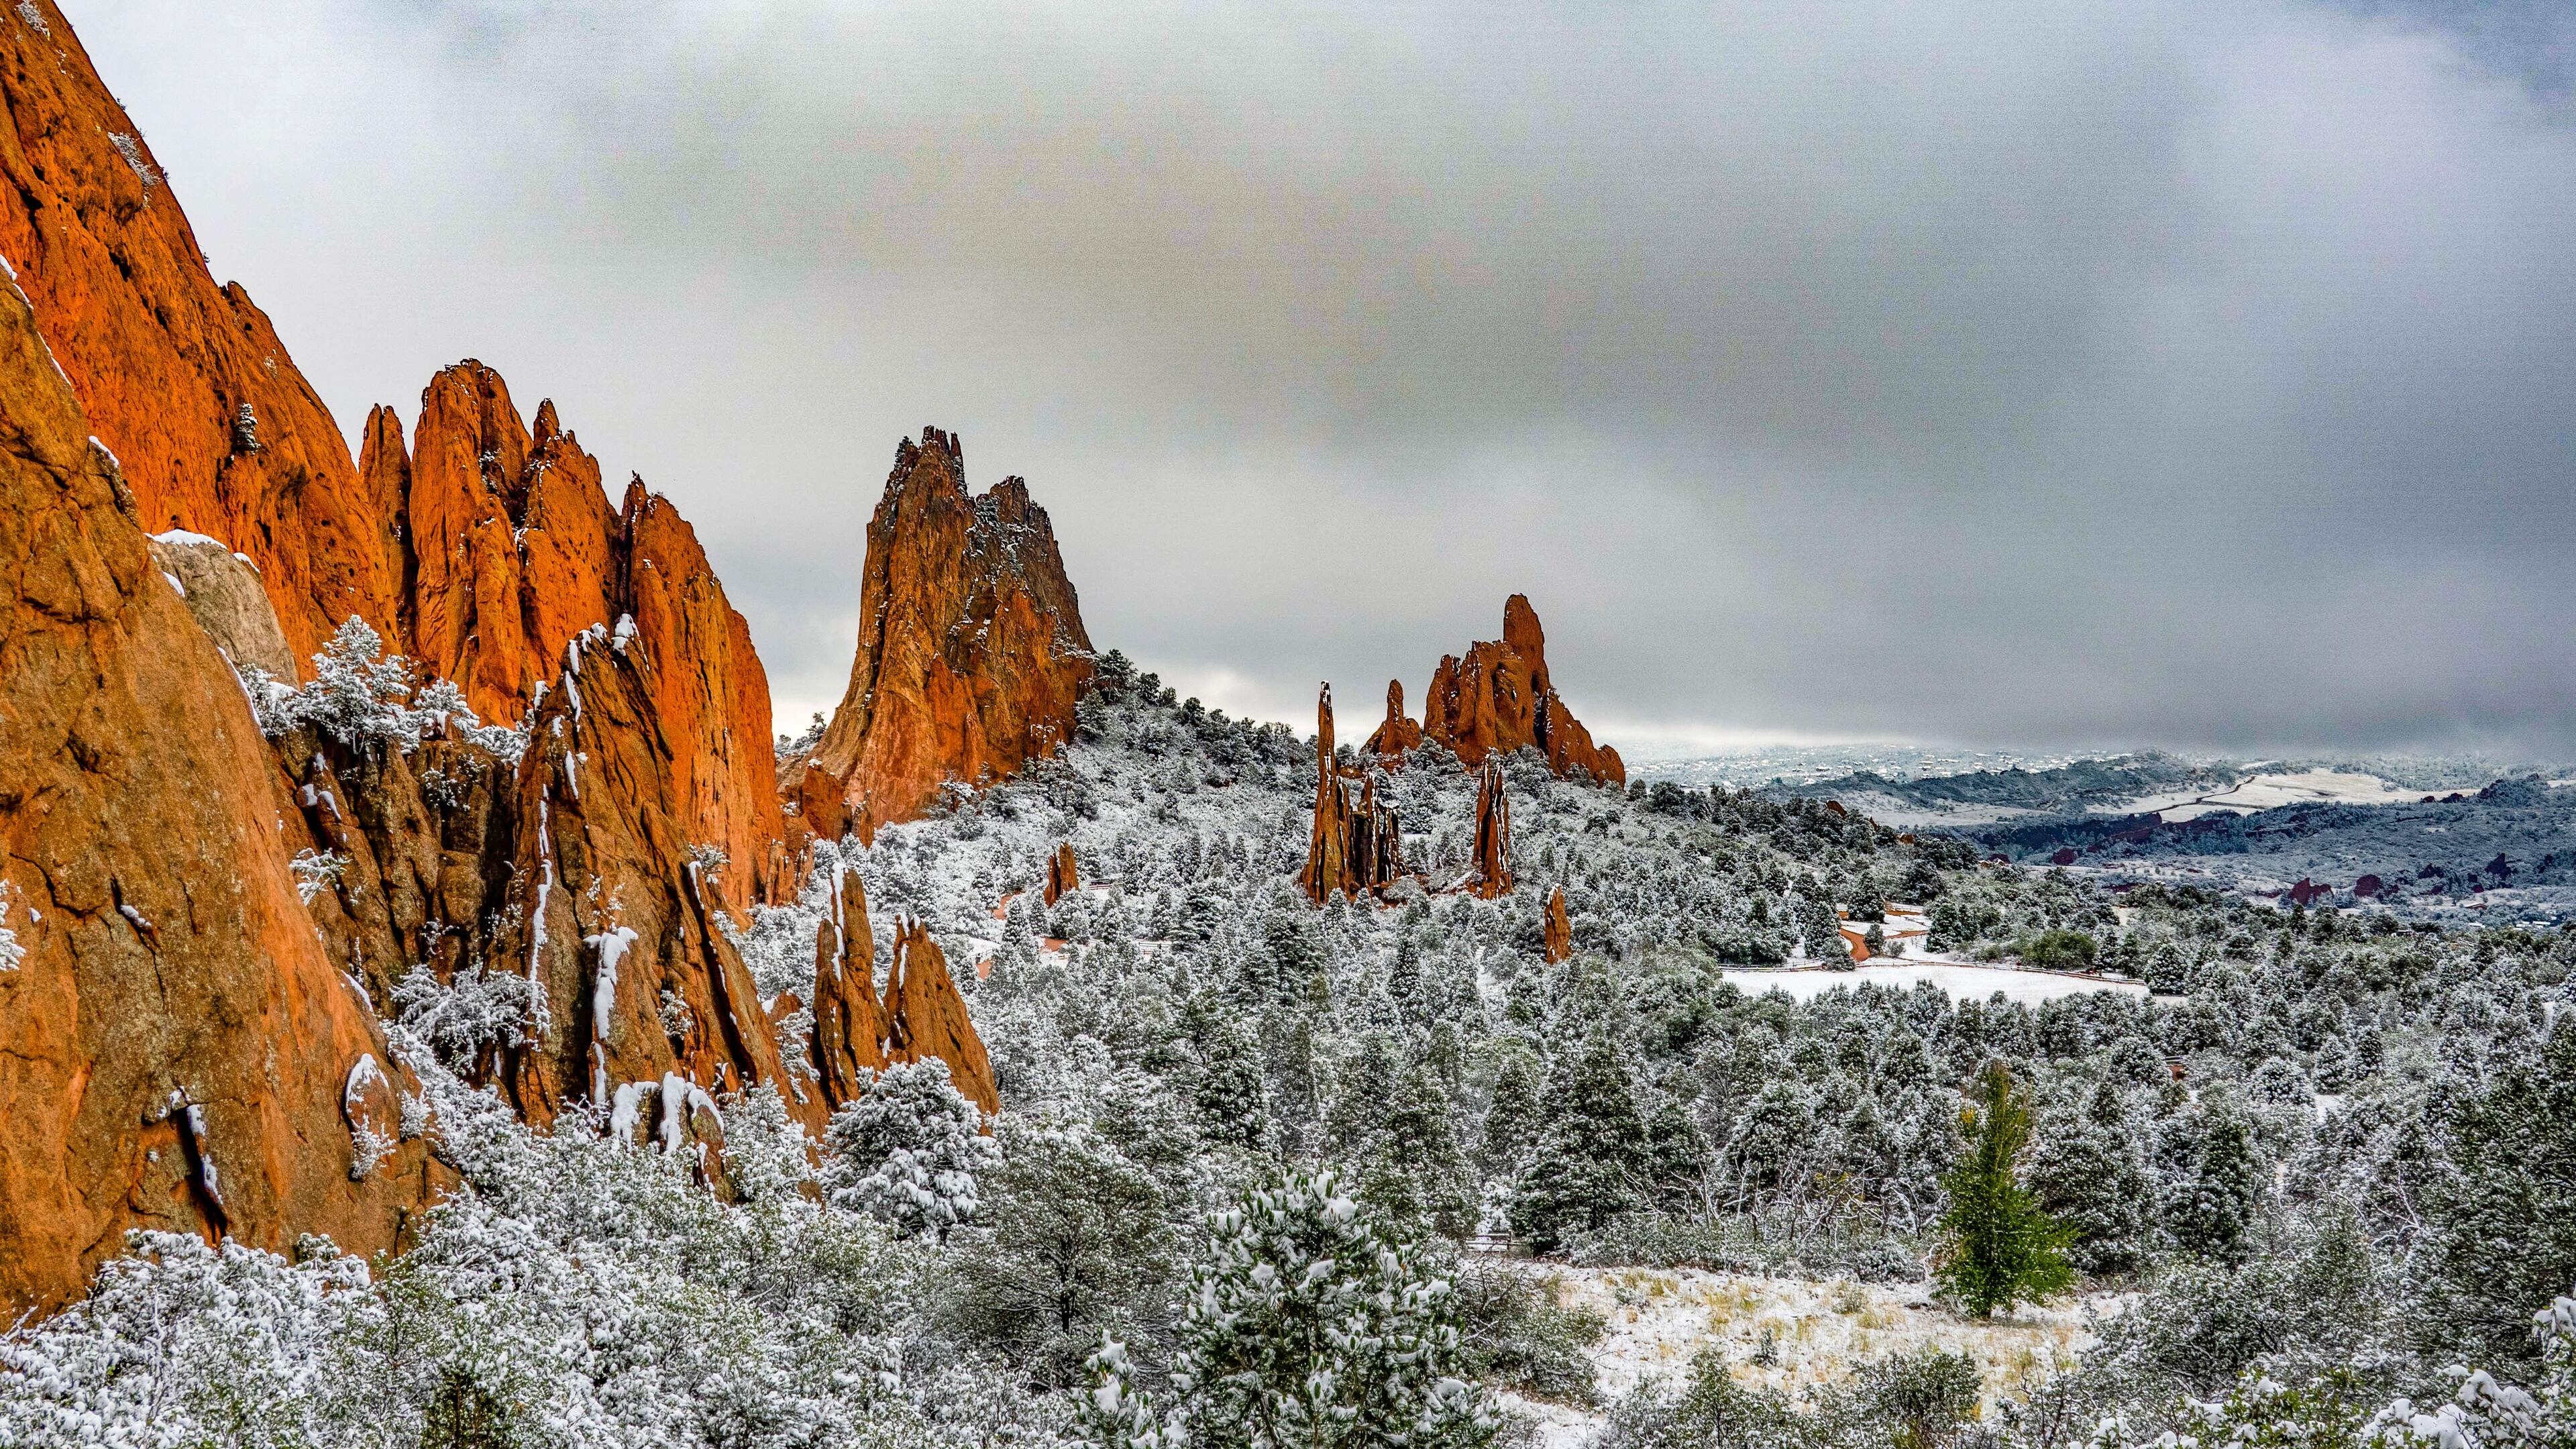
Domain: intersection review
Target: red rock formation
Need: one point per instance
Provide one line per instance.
(849, 1027)
(926, 1017)
(615, 916)
(1397, 734)
(1063, 875)
(1328, 865)
(1559, 943)
(1499, 698)
(1353, 850)
(184, 380)
(516, 551)
(175, 1048)
(1491, 874)
(971, 648)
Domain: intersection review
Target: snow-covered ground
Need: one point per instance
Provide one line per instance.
(1963, 982)
(2267, 791)
(1820, 1331)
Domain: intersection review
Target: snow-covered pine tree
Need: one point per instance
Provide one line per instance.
(1304, 1326)
(1592, 1161)
(908, 1151)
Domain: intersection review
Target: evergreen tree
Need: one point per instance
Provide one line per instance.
(1227, 1095)
(1416, 1177)
(2213, 1182)
(908, 1151)
(1304, 1327)
(2504, 1216)
(1998, 1246)
(1360, 1097)
(2089, 1174)
(1513, 1119)
(1592, 1164)
(1076, 1245)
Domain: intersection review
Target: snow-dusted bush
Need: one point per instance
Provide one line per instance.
(182, 1344)
(908, 1151)
(363, 698)
(474, 1011)
(1303, 1325)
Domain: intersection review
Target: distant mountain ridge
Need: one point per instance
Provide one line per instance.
(2082, 783)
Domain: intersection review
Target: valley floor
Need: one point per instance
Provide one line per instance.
(1820, 1331)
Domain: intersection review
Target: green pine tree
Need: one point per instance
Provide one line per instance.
(1998, 1246)
(1416, 1177)
(1594, 1160)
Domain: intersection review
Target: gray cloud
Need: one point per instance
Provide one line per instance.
(2194, 372)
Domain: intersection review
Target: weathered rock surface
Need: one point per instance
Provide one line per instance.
(849, 1025)
(184, 380)
(1064, 876)
(1397, 733)
(175, 1047)
(1498, 698)
(1354, 849)
(926, 1017)
(971, 648)
(1558, 939)
(616, 913)
(1490, 873)
(515, 551)
(223, 593)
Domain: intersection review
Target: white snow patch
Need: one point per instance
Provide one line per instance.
(1962, 982)
(611, 946)
(1659, 1320)
(178, 536)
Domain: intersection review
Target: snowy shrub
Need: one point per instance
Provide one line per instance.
(908, 1151)
(182, 1344)
(363, 698)
(1303, 1325)
(472, 1013)
(12, 954)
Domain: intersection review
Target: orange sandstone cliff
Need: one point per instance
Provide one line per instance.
(189, 1029)
(185, 381)
(971, 648)
(176, 1049)
(1498, 698)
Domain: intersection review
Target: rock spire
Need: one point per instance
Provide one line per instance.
(1355, 849)
(1491, 873)
(1499, 698)
(971, 650)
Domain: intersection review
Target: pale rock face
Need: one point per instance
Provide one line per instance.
(223, 593)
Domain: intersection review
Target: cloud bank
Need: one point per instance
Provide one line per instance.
(2194, 372)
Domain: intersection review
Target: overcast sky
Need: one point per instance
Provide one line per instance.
(2023, 372)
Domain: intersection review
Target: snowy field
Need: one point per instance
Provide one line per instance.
(1962, 982)
(2266, 792)
(1821, 1331)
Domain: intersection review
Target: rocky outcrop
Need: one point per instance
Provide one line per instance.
(1490, 873)
(1498, 698)
(223, 593)
(1354, 849)
(1397, 734)
(1557, 934)
(1328, 865)
(1063, 875)
(971, 649)
(849, 1028)
(514, 551)
(618, 909)
(175, 1047)
(926, 1017)
(183, 380)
